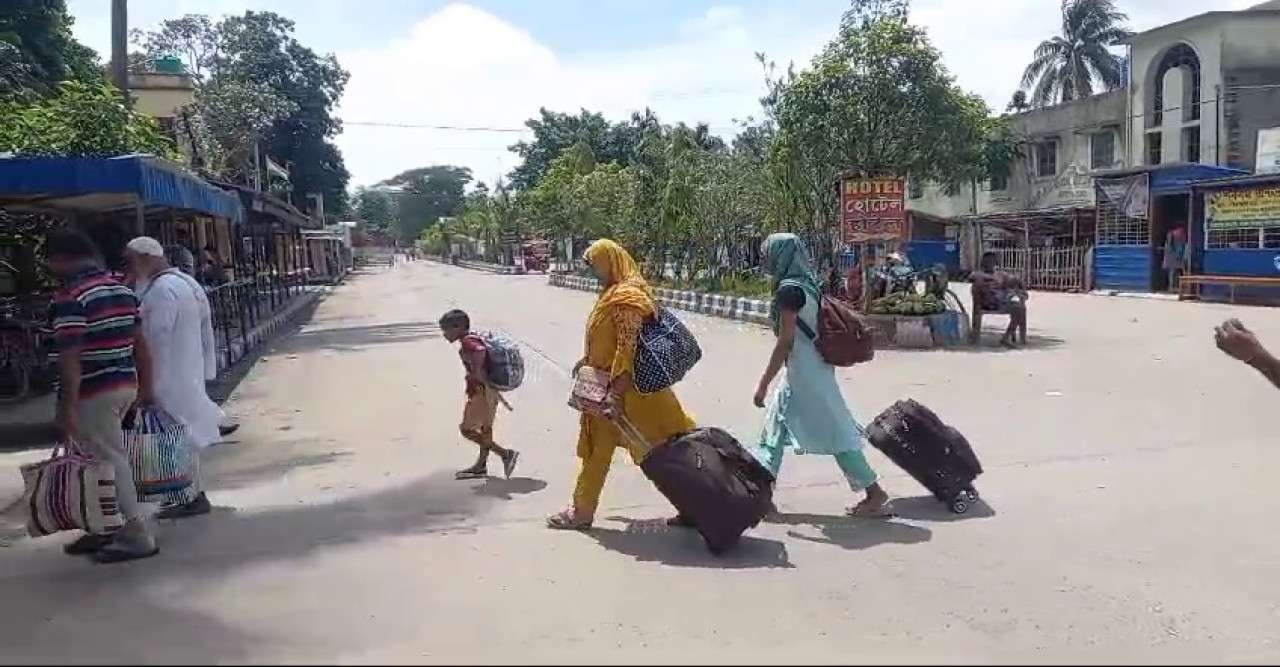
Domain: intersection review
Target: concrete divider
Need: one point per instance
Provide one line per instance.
(706, 303)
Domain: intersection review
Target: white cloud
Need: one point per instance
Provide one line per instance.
(463, 66)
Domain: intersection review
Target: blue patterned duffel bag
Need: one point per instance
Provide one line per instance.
(665, 352)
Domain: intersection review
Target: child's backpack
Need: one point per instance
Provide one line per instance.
(504, 365)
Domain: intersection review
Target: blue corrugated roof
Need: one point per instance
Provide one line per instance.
(1246, 181)
(1175, 177)
(154, 181)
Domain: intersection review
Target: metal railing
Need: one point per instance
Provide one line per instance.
(1054, 269)
(242, 305)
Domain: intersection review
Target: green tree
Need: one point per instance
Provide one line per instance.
(79, 119)
(253, 73)
(236, 115)
(1018, 103)
(193, 38)
(375, 209)
(37, 50)
(554, 132)
(1073, 65)
(876, 101)
(551, 204)
(424, 195)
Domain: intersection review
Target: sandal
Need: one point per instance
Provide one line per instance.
(679, 521)
(567, 520)
(864, 511)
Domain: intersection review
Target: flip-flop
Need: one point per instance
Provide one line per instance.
(565, 521)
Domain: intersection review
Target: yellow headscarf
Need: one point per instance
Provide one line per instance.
(625, 285)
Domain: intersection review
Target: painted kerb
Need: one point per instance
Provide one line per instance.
(717, 305)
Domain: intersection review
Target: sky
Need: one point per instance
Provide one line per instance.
(493, 63)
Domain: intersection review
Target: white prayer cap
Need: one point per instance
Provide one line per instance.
(146, 246)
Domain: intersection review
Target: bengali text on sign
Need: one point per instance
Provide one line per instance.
(873, 209)
(1236, 209)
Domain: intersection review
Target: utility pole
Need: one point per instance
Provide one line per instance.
(120, 44)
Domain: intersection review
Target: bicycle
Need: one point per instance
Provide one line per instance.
(24, 366)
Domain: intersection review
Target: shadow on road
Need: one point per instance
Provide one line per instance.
(655, 541)
(990, 342)
(73, 611)
(853, 533)
(243, 477)
(508, 489)
(221, 388)
(350, 339)
(927, 508)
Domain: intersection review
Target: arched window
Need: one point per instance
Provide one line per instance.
(1179, 56)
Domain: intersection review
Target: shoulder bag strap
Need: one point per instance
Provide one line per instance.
(800, 323)
(154, 280)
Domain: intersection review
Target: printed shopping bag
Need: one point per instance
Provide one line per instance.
(160, 454)
(70, 491)
(590, 391)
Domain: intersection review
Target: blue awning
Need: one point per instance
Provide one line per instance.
(1173, 178)
(111, 185)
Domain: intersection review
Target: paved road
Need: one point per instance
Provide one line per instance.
(1128, 478)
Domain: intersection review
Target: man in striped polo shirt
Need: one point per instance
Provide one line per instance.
(105, 370)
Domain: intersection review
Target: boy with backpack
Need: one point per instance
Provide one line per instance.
(492, 364)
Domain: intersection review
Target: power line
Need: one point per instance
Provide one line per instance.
(427, 126)
(464, 128)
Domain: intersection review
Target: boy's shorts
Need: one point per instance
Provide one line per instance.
(480, 411)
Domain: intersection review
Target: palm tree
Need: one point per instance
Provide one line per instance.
(1018, 103)
(1072, 65)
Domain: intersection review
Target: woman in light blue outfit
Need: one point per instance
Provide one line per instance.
(806, 411)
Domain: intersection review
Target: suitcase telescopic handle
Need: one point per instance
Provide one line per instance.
(630, 432)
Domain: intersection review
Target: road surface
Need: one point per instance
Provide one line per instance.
(1131, 509)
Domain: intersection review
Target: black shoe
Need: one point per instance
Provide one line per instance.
(196, 507)
(473, 472)
(87, 544)
(224, 431)
(509, 462)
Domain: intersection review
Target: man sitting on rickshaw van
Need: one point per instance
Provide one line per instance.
(894, 275)
(996, 291)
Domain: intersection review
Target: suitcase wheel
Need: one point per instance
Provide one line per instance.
(972, 494)
(960, 505)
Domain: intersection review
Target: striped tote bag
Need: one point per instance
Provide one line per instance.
(160, 454)
(70, 491)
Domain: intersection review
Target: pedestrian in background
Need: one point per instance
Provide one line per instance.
(179, 327)
(104, 368)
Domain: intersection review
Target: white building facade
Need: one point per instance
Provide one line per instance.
(1199, 91)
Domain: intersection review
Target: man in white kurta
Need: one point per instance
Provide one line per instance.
(179, 325)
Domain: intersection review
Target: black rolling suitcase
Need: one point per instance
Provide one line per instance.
(935, 454)
(715, 484)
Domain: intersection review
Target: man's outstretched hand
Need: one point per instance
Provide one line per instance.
(1237, 341)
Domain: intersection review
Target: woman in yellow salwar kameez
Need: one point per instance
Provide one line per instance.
(612, 332)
